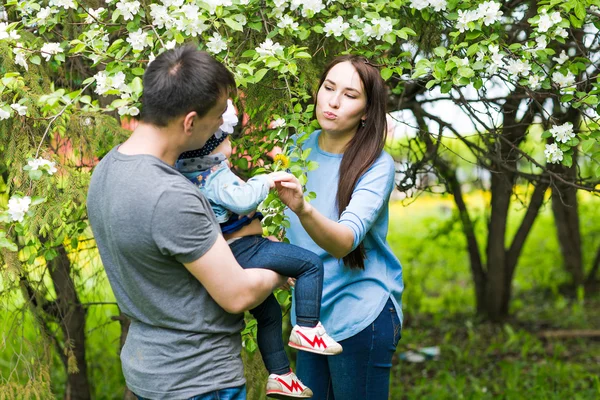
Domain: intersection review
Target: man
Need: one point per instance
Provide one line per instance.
(171, 270)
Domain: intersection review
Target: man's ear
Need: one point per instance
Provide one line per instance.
(188, 122)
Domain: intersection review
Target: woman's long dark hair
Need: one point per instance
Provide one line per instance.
(366, 145)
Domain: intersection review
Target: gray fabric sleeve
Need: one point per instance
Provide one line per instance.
(183, 225)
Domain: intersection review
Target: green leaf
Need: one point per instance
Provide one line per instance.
(466, 72)
(566, 98)
(35, 200)
(387, 73)
(591, 100)
(567, 160)
(260, 74)
(4, 242)
(236, 26)
(35, 60)
(588, 145)
(137, 71)
(546, 135)
(302, 54)
(440, 51)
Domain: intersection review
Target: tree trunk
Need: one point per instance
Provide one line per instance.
(566, 216)
(72, 322)
(497, 293)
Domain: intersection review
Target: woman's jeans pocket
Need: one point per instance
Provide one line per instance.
(395, 323)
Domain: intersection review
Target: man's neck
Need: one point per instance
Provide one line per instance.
(151, 140)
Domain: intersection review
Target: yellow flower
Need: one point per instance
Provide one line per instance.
(282, 160)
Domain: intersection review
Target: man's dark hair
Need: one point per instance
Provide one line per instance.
(180, 81)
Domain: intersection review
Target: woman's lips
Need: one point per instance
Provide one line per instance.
(329, 115)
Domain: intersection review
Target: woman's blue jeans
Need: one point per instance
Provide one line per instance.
(288, 260)
(362, 370)
(234, 393)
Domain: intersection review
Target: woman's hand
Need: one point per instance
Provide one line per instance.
(290, 192)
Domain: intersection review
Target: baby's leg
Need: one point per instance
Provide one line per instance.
(267, 314)
(269, 336)
(292, 261)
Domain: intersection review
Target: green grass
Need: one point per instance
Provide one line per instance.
(478, 360)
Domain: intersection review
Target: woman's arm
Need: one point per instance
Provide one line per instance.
(369, 197)
(335, 238)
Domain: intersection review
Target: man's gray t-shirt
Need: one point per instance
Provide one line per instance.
(148, 220)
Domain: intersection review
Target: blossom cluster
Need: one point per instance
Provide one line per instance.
(43, 165)
(488, 12)
(18, 207)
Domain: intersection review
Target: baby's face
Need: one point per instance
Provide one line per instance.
(224, 148)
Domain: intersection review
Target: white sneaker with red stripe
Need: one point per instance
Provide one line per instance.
(314, 340)
(287, 386)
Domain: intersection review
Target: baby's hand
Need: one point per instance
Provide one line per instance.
(274, 176)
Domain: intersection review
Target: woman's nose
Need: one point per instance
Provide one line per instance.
(334, 101)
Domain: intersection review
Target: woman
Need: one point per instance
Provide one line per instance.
(347, 228)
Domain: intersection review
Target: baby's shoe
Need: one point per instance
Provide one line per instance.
(287, 386)
(314, 340)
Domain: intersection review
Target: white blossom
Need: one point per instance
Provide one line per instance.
(280, 3)
(309, 6)
(545, 22)
(126, 110)
(93, 15)
(268, 48)
(230, 118)
(562, 32)
(213, 4)
(535, 82)
(160, 16)
(555, 17)
(541, 42)
(464, 17)
(490, 12)
(336, 27)
(354, 36)
(49, 49)
(18, 206)
(216, 44)
(66, 4)
(493, 48)
(44, 13)
(169, 3)
(20, 58)
(278, 123)
(562, 58)
(381, 27)
(138, 40)
(498, 59)
(287, 21)
(104, 82)
(563, 133)
(563, 80)
(518, 67)
(419, 4)
(171, 44)
(438, 5)
(553, 153)
(4, 114)
(19, 108)
(128, 9)
(43, 164)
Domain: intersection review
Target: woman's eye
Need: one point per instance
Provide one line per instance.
(328, 88)
(351, 96)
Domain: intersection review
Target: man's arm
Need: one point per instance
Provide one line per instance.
(233, 288)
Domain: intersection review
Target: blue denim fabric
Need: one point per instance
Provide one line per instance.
(362, 370)
(235, 393)
(287, 260)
